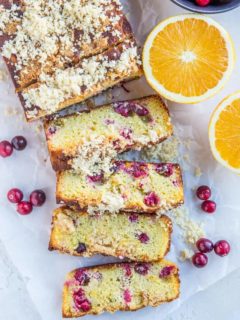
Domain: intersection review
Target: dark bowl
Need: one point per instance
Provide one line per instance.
(212, 8)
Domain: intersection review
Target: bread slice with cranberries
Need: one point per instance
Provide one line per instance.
(137, 237)
(106, 131)
(119, 287)
(132, 187)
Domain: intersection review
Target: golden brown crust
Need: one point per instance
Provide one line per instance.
(60, 161)
(54, 244)
(66, 313)
(82, 206)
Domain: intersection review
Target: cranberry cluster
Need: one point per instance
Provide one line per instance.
(204, 193)
(36, 199)
(6, 148)
(204, 3)
(200, 259)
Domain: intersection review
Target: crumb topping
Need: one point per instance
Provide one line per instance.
(94, 157)
(48, 27)
(7, 16)
(71, 82)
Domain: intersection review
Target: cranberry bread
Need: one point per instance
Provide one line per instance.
(137, 237)
(132, 187)
(76, 84)
(72, 30)
(121, 286)
(106, 131)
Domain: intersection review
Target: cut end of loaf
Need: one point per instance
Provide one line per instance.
(122, 286)
(139, 237)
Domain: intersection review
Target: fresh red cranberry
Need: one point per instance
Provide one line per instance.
(140, 110)
(80, 300)
(24, 207)
(15, 195)
(141, 268)
(203, 3)
(128, 270)
(96, 178)
(81, 248)
(152, 200)
(143, 238)
(167, 271)
(165, 169)
(127, 296)
(209, 206)
(82, 277)
(86, 305)
(204, 193)
(138, 170)
(133, 218)
(204, 245)
(125, 109)
(37, 198)
(126, 133)
(222, 248)
(19, 143)
(6, 149)
(199, 260)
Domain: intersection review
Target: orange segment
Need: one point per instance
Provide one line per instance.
(224, 132)
(188, 58)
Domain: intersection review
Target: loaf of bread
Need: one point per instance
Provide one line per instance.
(41, 36)
(76, 84)
(139, 237)
(122, 286)
(132, 186)
(105, 132)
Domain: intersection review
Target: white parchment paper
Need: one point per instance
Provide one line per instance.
(26, 238)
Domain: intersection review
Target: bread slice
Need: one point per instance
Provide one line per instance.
(72, 30)
(138, 237)
(107, 130)
(132, 186)
(76, 84)
(120, 286)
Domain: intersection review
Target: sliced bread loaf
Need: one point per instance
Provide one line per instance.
(84, 140)
(139, 237)
(122, 286)
(132, 186)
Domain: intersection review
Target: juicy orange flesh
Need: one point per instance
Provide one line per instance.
(189, 78)
(227, 134)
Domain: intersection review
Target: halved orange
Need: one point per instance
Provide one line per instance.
(224, 132)
(188, 58)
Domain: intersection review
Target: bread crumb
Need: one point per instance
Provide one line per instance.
(10, 111)
(186, 254)
(198, 172)
(166, 151)
(186, 157)
(2, 75)
(39, 128)
(191, 230)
